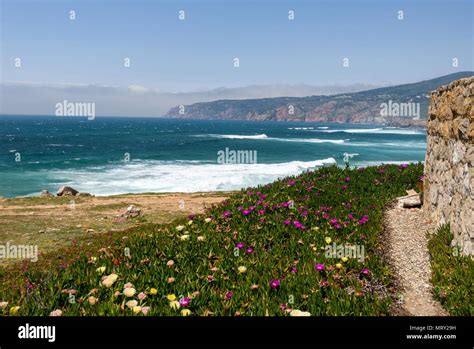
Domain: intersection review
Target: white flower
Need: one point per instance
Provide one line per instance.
(190, 222)
(100, 270)
(201, 238)
(207, 220)
(109, 280)
(296, 312)
(131, 304)
(180, 227)
(184, 237)
(57, 312)
(129, 292)
(3, 305)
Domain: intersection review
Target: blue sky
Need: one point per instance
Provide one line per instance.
(172, 55)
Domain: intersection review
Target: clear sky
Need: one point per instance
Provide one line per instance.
(198, 53)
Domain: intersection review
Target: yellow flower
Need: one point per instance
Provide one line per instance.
(180, 227)
(153, 291)
(242, 269)
(328, 240)
(338, 265)
(14, 310)
(174, 305)
(171, 297)
(100, 270)
(185, 312)
(129, 292)
(344, 259)
(136, 309)
(201, 238)
(184, 237)
(207, 220)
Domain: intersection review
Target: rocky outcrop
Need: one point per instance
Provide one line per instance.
(67, 191)
(449, 166)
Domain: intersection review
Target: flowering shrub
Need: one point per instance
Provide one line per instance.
(261, 252)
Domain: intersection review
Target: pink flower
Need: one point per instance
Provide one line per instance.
(227, 214)
(246, 212)
(249, 250)
(145, 310)
(275, 283)
(323, 283)
(141, 296)
(184, 302)
(286, 222)
(365, 271)
(228, 295)
(239, 245)
(319, 267)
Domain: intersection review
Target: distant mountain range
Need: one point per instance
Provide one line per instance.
(402, 105)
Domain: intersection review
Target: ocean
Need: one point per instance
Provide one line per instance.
(111, 155)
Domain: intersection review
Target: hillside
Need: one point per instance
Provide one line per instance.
(358, 107)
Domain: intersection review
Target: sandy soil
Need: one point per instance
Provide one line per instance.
(54, 222)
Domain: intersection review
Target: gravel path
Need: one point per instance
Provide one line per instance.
(408, 255)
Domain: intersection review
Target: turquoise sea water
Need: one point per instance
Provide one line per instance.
(167, 155)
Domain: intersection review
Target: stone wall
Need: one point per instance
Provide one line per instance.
(449, 171)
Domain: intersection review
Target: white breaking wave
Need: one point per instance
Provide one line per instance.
(378, 130)
(308, 140)
(301, 128)
(177, 176)
(265, 137)
(323, 127)
(261, 136)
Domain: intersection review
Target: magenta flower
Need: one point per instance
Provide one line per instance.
(261, 211)
(228, 295)
(294, 269)
(249, 250)
(184, 302)
(227, 214)
(365, 271)
(323, 283)
(246, 212)
(283, 306)
(239, 245)
(275, 283)
(319, 267)
(286, 222)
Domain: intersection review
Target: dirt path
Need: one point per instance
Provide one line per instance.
(408, 255)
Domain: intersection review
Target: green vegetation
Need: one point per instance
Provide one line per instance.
(453, 274)
(261, 252)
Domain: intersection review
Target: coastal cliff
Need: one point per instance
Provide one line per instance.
(402, 105)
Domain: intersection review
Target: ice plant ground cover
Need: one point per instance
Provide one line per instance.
(453, 274)
(261, 252)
